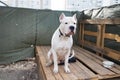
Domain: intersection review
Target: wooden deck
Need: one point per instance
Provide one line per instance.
(88, 66)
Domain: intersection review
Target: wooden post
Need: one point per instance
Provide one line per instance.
(98, 42)
(102, 37)
(81, 34)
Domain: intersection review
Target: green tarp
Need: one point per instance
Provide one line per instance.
(17, 34)
(22, 29)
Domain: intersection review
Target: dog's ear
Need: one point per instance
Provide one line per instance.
(61, 17)
(74, 16)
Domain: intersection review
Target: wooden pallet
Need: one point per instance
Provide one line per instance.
(88, 66)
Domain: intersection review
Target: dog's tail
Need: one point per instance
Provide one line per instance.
(72, 55)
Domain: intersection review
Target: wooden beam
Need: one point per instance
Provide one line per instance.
(112, 53)
(99, 32)
(82, 33)
(102, 35)
(102, 21)
(93, 47)
(103, 51)
(90, 33)
(112, 36)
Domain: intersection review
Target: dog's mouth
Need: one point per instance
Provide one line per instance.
(70, 33)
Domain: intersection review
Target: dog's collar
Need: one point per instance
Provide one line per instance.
(61, 34)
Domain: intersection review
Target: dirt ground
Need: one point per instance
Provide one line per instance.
(22, 70)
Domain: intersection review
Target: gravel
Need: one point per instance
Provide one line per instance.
(22, 70)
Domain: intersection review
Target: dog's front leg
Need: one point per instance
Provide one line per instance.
(55, 70)
(67, 70)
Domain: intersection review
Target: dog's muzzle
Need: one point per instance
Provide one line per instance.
(71, 32)
(72, 28)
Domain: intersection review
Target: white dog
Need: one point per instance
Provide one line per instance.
(62, 42)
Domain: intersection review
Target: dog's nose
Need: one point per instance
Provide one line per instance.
(71, 28)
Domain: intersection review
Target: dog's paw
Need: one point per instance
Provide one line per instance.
(67, 70)
(55, 70)
(48, 64)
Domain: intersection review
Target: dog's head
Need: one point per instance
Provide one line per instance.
(68, 24)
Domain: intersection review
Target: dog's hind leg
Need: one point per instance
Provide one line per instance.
(73, 53)
(49, 60)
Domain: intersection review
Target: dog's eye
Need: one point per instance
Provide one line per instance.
(74, 23)
(66, 23)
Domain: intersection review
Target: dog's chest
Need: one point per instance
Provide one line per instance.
(62, 48)
(65, 42)
(61, 52)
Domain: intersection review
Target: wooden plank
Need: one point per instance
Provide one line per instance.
(66, 76)
(112, 36)
(86, 71)
(80, 73)
(82, 34)
(77, 71)
(114, 69)
(102, 21)
(98, 42)
(58, 75)
(105, 51)
(92, 46)
(92, 64)
(112, 53)
(46, 70)
(90, 33)
(103, 27)
(99, 60)
(40, 69)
